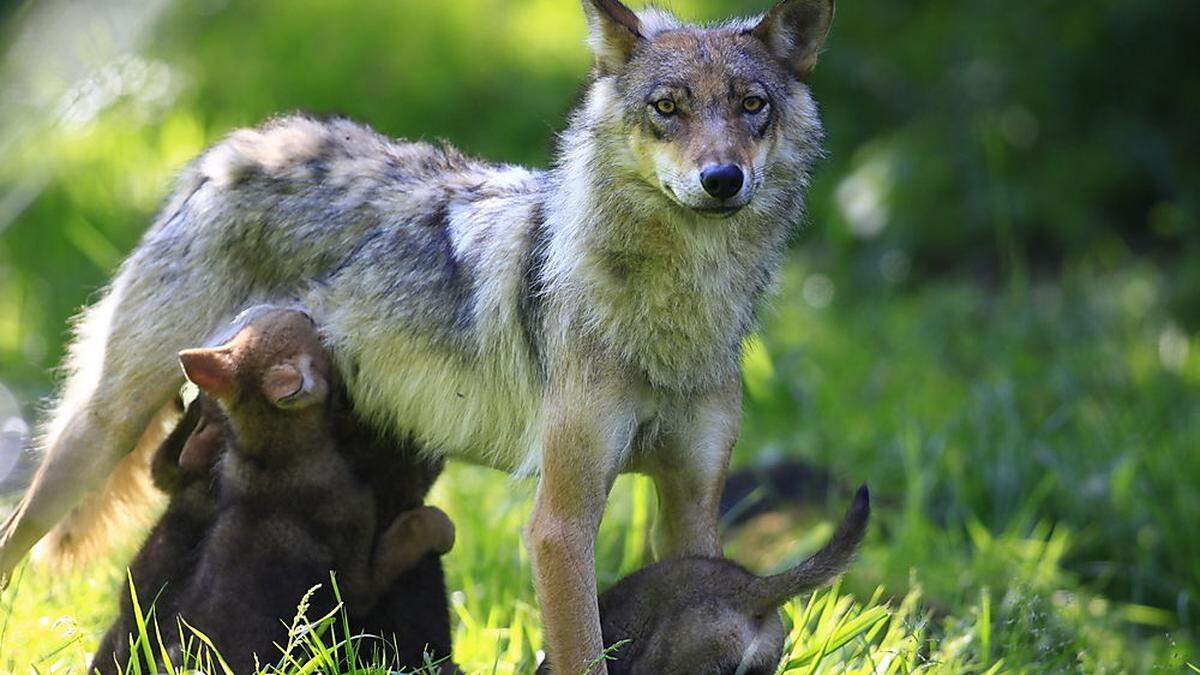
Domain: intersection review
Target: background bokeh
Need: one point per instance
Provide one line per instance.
(991, 313)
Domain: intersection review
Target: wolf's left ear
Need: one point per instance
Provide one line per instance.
(794, 30)
(614, 32)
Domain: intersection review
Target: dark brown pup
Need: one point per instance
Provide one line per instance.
(290, 507)
(411, 618)
(710, 616)
(170, 552)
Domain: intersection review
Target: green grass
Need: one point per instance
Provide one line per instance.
(1032, 454)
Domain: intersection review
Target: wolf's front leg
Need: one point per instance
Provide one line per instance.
(581, 442)
(689, 466)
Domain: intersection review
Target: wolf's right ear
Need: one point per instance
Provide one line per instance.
(794, 31)
(614, 32)
(213, 370)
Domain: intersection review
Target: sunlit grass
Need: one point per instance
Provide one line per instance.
(1018, 609)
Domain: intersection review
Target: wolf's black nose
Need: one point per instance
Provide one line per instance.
(722, 180)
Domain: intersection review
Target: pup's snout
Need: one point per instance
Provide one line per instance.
(722, 181)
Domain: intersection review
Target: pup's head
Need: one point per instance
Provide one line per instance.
(274, 369)
(710, 117)
(190, 451)
(712, 616)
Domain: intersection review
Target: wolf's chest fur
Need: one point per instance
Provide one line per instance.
(669, 302)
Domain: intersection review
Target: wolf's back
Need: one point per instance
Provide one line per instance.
(261, 217)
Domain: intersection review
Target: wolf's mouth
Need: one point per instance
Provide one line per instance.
(718, 211)
(721, 211)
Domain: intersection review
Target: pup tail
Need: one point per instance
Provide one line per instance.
(96, 523)
(771, 592)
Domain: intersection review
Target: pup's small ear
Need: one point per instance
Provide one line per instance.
(794, 30)
(164, 466)
(202, 448)
(292, 386)
(213, 370)
(614, 32)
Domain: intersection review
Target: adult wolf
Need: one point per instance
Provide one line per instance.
(575, 322)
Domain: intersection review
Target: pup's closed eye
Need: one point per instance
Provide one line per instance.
(282, 384)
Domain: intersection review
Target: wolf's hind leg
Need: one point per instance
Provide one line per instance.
(121, 371)
(78, 460)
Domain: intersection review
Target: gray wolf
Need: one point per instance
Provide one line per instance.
(573, 323)
(289, 507)
(710, 615)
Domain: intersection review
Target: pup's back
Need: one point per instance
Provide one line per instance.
(711, 615)
(412, 615)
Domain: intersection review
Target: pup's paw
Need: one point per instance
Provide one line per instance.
(413, 535)
(438, 529)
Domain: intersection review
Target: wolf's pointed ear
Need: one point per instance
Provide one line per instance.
(794, 30)
(614, 32)
(213, 370)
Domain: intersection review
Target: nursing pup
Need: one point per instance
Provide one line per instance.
(574, 322)
(182, 468)
(290, 508)
(710, 616)
(411, 617)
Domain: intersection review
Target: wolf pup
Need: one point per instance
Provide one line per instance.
(289, 509)
(411, 617)
(710, 615)
(166, 559)
(575, 322)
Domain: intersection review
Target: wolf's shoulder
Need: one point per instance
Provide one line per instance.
(305, 148)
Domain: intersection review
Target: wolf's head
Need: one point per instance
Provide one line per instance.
(714, 119)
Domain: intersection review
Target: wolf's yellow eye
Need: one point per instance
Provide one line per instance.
(753, 104)
(665, 106)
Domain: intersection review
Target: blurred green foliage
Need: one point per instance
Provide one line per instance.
(979, 138)
(991, 315)
(1004, 135)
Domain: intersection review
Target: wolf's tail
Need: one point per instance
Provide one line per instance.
(771, 592)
